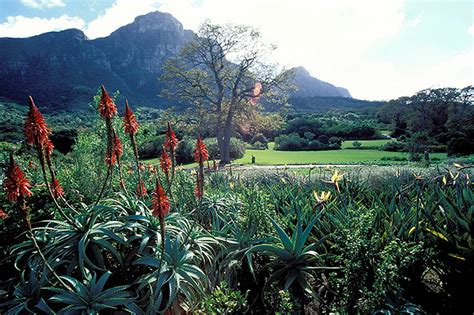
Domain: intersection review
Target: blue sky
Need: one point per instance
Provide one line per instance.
(378, 49)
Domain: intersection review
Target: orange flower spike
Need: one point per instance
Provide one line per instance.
(130, 121)
(107, 108)
(171, 141)
(117, 149)
(141, 192)
(16, 184)
(57, 188)
(160, 202)
(36, 129)
(198, 189)
(3, 215)
(165, 162)
(49, 147)
(200, 151)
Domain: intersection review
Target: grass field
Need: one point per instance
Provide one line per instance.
(344, 156)
(270, 157)
(365, 143)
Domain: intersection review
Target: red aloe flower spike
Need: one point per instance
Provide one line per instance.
(3, 215)
(141, 189)
(49, 147)
(161, 204)
(200, 151)
(57, 189)
(165, 161)
(107, 108)
(36, 129)
(117, 148)
(198, 191)
(171, 141)
(130, 121)
(15, 183)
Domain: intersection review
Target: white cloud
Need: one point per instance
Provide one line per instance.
(41, 4)
(21, 26)
(122, 12)
(377, 80)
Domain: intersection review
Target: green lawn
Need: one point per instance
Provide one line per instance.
(270, 157)
(344, 156)
(365, 143)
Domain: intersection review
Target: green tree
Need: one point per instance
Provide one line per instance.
(223, 71)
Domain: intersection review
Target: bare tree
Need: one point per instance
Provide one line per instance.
(224, 71)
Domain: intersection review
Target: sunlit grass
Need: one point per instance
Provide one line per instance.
(365, 143)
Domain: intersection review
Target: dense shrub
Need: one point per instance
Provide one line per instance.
(237, 148)
(460, 146)
(293, 142)
(259, 146)
(395, 146)
(152, 148)
(259, 138)
(64, 140)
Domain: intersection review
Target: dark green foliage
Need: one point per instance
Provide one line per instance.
(222, 300)
(443, 116)
(293, 142)
(460, 146)
(395, 146)
(237, 148)
(64, 140)
(259, 138)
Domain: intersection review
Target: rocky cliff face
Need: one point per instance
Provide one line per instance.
(63, 70)
(309, 86)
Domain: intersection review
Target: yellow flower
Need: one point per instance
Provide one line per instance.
(231, 185)
(323, 197)
(457, 165)
(445, 181)
(417, 177)
(335, 178)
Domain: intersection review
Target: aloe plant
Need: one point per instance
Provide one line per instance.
(92, 297)
(292, 260)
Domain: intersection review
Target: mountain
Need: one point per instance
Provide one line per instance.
(308, 86)
(63, 70)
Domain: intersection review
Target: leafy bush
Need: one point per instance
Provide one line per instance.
(460, 146)
(259, 146)
(293, 142)
(237, 148)
(259, 138)
(395, 146)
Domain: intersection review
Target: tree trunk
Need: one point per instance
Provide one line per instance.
(220, 140)
(225, 157)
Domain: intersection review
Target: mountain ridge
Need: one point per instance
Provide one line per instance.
(64, 69)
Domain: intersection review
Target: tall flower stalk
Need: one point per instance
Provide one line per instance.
(107, 111)
(171, 143)
(17, 188)
(37, 135)
(160, 207)
(166, 165)
(200, 156)
(131, 128)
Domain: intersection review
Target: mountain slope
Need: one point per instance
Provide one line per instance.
(63, 70)
(309, 86)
